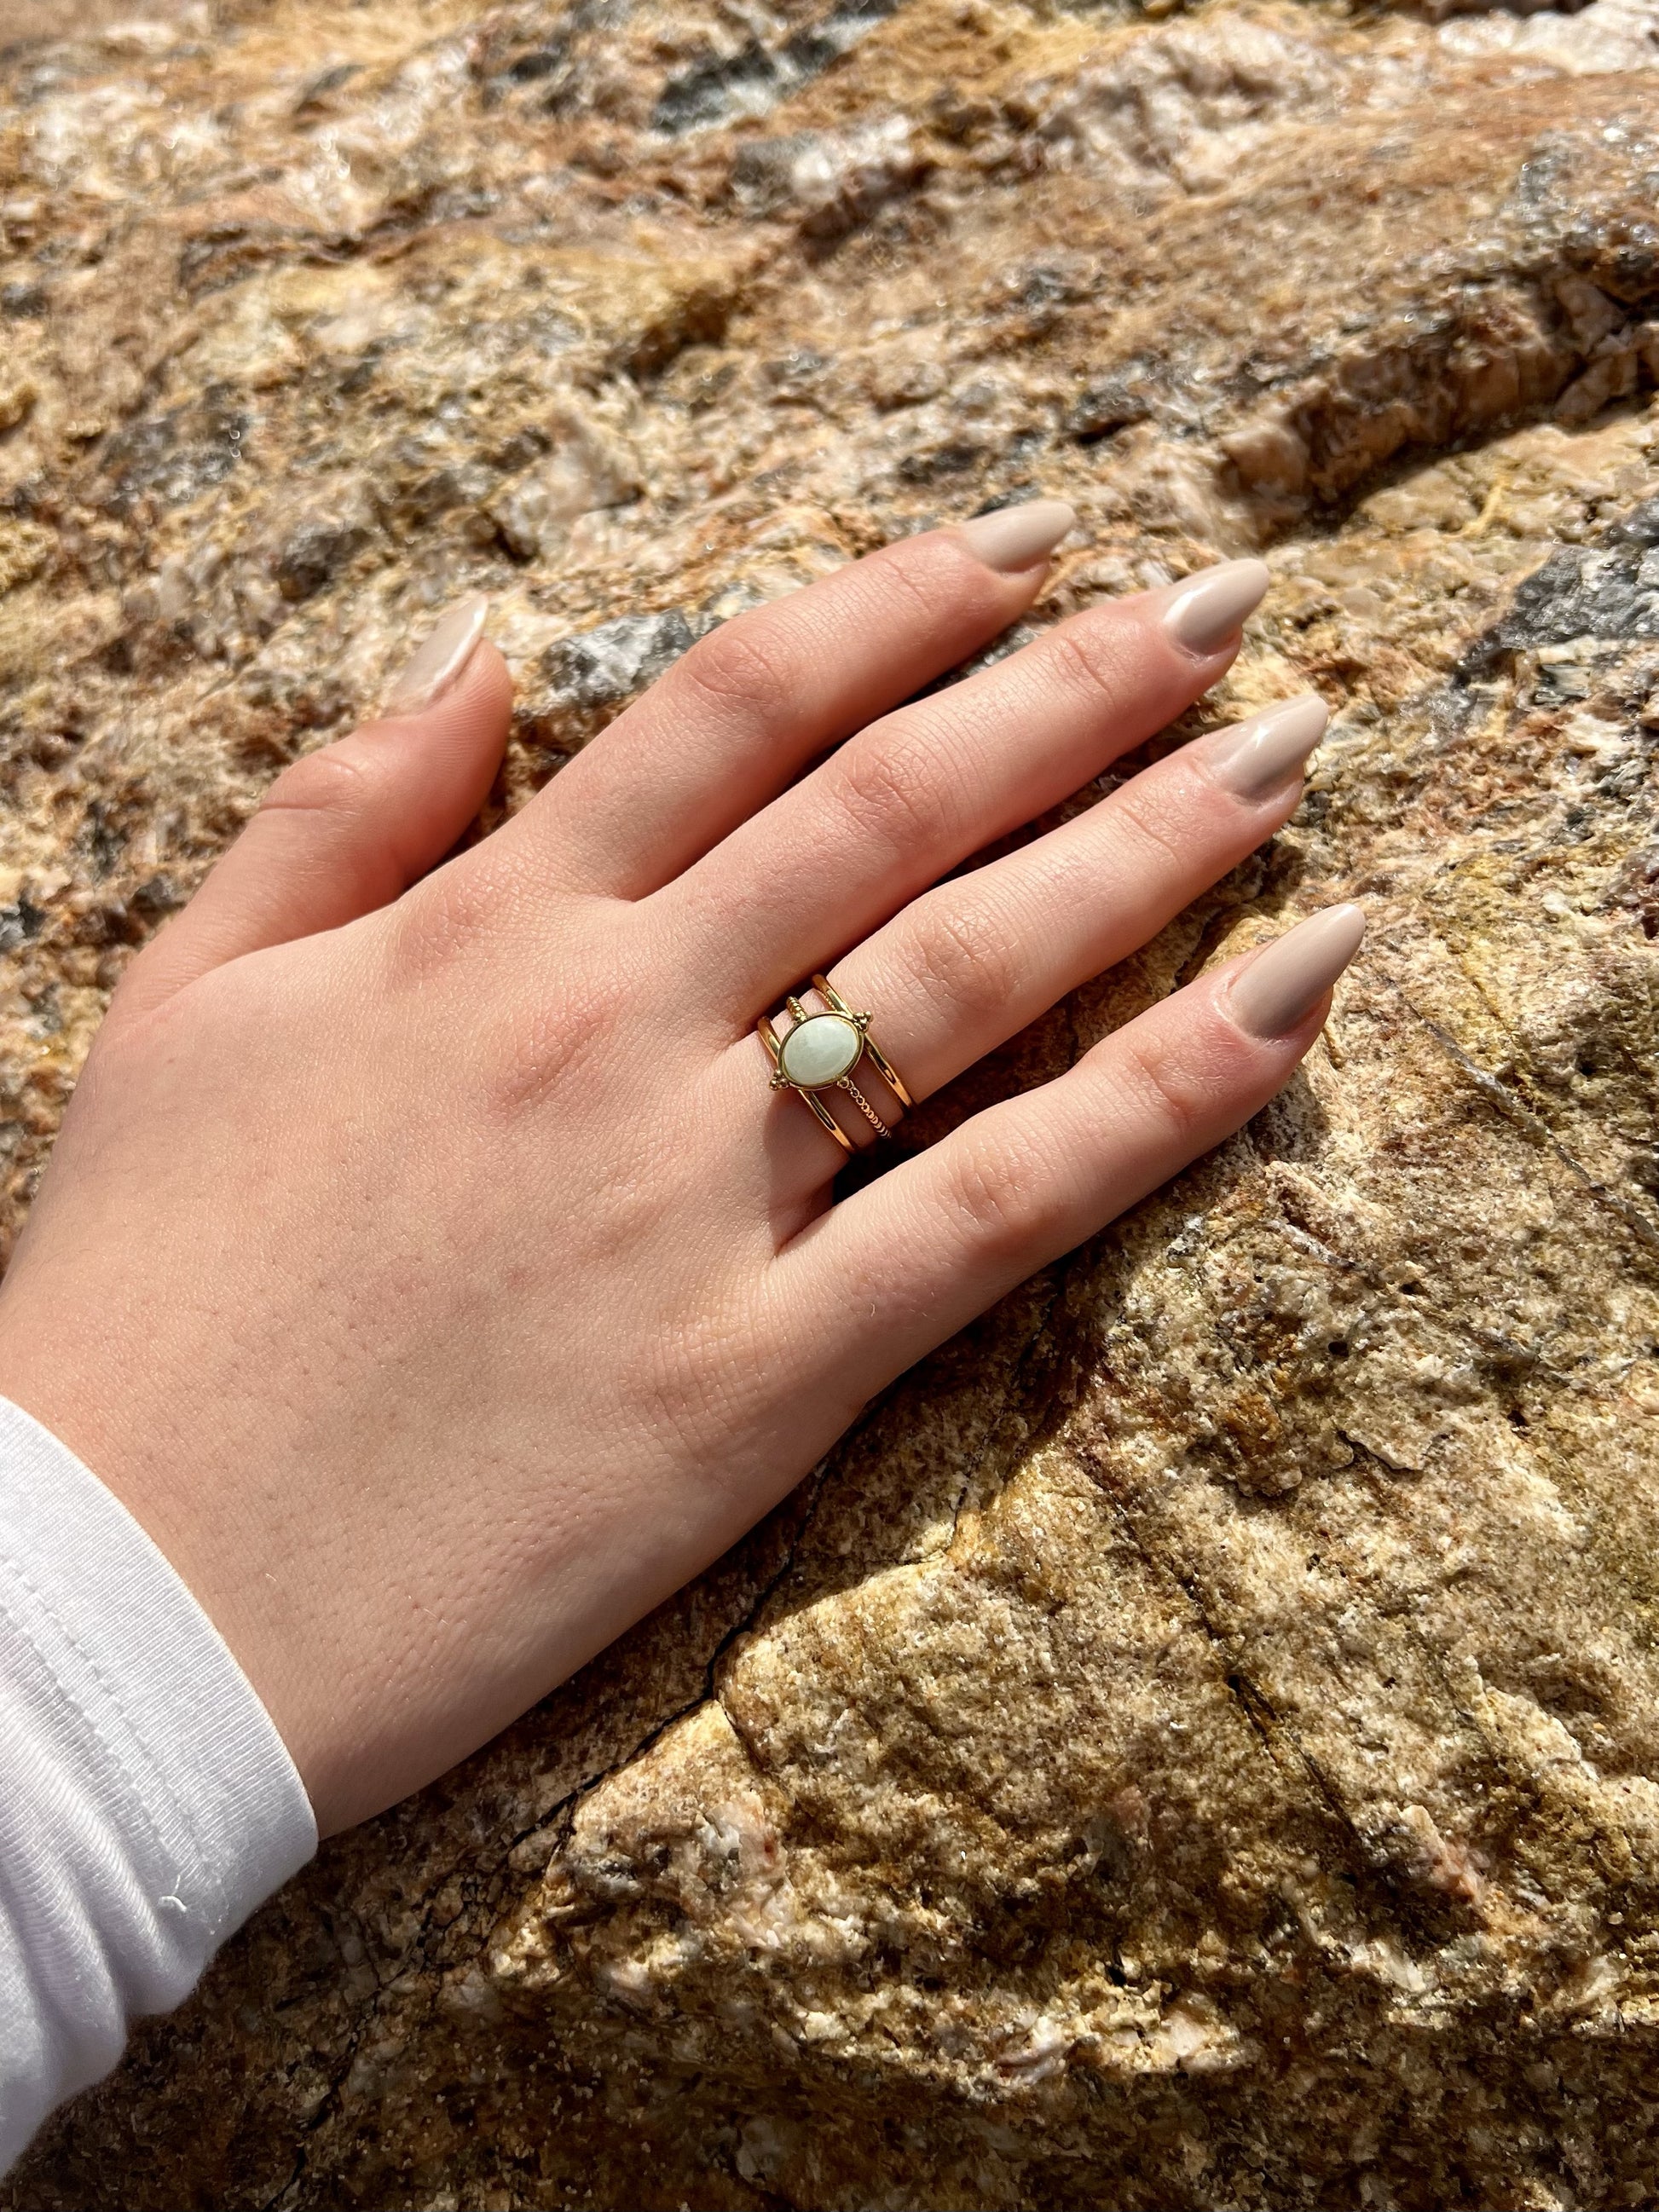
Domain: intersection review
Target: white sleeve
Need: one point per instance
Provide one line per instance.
(146, 1803)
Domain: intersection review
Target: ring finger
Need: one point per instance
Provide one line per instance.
(970, 962)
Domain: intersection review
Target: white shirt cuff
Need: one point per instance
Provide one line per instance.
(148, 1805)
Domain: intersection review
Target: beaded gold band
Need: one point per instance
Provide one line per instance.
(821, 1052)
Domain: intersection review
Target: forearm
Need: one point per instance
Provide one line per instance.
(148, 1804)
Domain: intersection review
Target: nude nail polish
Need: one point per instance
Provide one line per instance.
(439, 663)
(1265, 753)
(1272, 994)
(1013, 538)
(1202, 613)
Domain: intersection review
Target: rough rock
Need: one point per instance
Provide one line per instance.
(1197, 1742)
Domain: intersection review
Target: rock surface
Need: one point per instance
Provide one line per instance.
(1197, 1743)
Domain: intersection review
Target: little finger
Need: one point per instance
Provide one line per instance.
(901, 1265)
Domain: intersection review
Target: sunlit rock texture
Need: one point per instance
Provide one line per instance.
(1197, 1742)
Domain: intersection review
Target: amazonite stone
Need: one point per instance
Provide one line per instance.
(820, 1050)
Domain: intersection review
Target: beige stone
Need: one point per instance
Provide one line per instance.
(1195, 1742)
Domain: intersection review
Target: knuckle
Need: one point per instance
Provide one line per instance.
(1003, 1192)
(928, 574)
(334, 780)
(1173, 1084)
(965, 955)
(466, 911)
(1149, 812)
(742, 663)
(547, 1046)
(1087, 651)
(444, 917)
(894, 793)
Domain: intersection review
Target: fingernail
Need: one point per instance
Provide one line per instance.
(1203, 613)
(1276, 991)
(1011, 538)
(440, 661)
(1263, 754)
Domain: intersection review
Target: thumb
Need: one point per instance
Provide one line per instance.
(349, 828)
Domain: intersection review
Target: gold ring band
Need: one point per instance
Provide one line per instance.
(827, 1059)
(884, 1067)
(865, 1107)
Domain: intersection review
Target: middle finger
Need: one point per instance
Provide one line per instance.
(924, 788)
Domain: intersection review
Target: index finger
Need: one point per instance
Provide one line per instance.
(752, 702)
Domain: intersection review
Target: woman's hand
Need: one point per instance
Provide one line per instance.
(425, 1260)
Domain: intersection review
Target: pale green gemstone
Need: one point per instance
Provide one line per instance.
(820, 1050)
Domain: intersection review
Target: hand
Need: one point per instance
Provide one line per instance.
(426, 1262)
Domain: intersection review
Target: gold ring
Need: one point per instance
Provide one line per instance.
(826, 1057)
